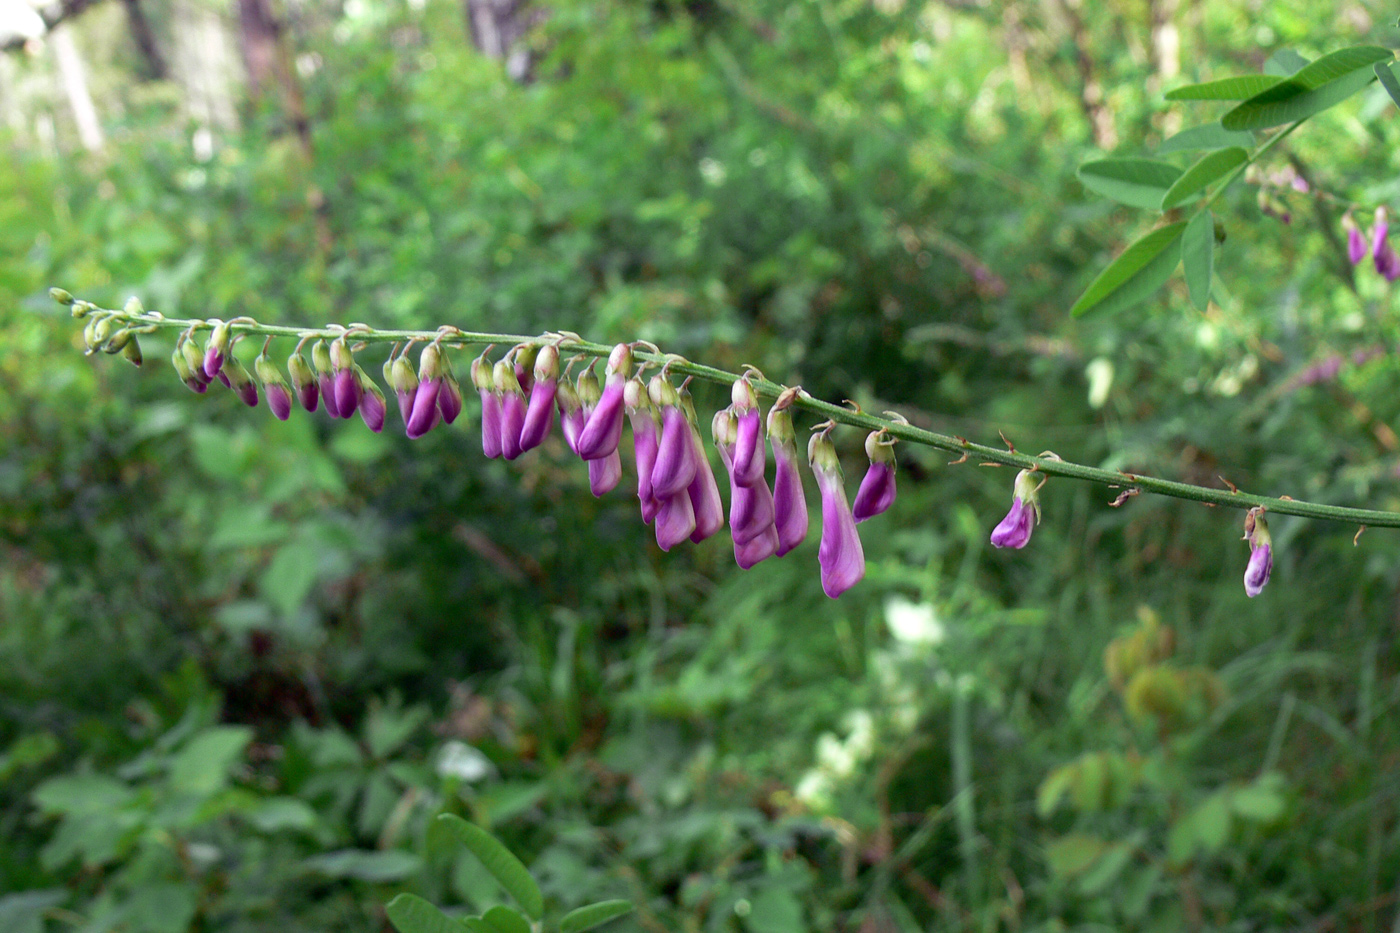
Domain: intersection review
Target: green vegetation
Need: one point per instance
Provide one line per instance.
(294, 676)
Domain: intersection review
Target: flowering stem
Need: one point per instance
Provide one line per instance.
(1047, 464)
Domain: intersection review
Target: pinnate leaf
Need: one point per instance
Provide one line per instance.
(498, 860)
(1139, 271)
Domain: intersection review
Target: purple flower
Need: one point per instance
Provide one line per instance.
(789, 500)
(539, 414)
(571, 416)
(217, 350)
(1387, 263)
(1015, 529)
(512, 401)
(372, 405)
(840, 555)
(233, 375)
(279, 394)
(346, 386)
(1356, 242)
(748, 443)
(750, 507)
(877, 490)
(404, 381)
(675, 520)
(603, 431)
(675, 465)
(703, 490)
(757, 549)
(303, 381)
(425, 414)
(604, 473)
(1261, 553)
(449, 397)
(645, 437)
(484, 381)
(325, 377)
(189, 375)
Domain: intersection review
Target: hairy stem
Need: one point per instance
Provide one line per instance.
(1049, 465)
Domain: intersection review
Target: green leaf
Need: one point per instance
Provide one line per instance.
(1385, 71)
(1139, 271)
(505, 920)
(593, 915)
(498, 860)
(1207, 136)
(24, 912)
(365, 864)
(409, 913)
(1284, 62)
(1326, 82)
(202, 765)
(1240, 87)
(1198, 257)
(1208, 169)
(1073, 854)
(1135, 182)
(1053, 789)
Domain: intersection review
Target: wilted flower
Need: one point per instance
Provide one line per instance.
(279, 394)
(789, 500)
(603, 430)
(425, 411)
(1015, 529)
(539, 413)
(217, 350)
(303, 380)
(840, 555)
(484, 381)
(1261, 552)
(877, 490)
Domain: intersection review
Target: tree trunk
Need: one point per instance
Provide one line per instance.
(145, 39)
(497, 28)
(259, 35)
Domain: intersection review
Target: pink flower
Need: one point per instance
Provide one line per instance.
(279, 394)
(424, 414)
(645, 437)
(539, 413)
(676, 462)
(325, 377)
(603, 431)
(303, 381)
(1015, 529)
(748, 443)
(512, 401)
(484, 381)
(789, 501)
(1261, 553)
(343, 381)
(877, 490)
(840, 554)
(604, 473)
(372, 405)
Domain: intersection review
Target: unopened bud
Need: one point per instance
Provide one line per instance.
(134, 306)
(132, 352)
(118, 341)
(547, 363)
(663, 394)
(101, 332)
(742, 395)
(217, 350)
(430, 363)
(240, 381)
(303, 381)
(194, 359)
(61, 295)
(589, 392)
(620, 361)
(321, 358)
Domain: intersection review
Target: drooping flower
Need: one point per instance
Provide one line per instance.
(603, 431)
(1387, 262)
(840, 555)
(279, 394)
(571, 415)
(751, 506)
(425, 413)
(1356, 241)
(646, 433)
(1015, 529)
(757, 549)
(675, 465)
(789, 500)
(450, 395)
(604, 473)
(325, 377)
(877, 490)
(703, 490)
(484, 381)
(217, 350)
(404, 381)
(1261, 552)
(237, 378)
(372, 406)
(749, 461)
(539, 413)
(191, 377)
(303, 381)
(512, 401)
(525, 356)
(675, 520)
(347, 385)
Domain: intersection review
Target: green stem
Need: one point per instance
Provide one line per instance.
(1049, 464)
(1230, 179)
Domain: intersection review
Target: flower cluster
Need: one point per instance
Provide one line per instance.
(1377, 245)
(523, 393)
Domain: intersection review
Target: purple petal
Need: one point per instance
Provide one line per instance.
(512, 423)
(347, 392)
(676, 462)
(748, 449)
(675, 520)
(572, 422)
(1387, 262)
(1379, 234)
(1356, 245)
(450, 400)
(603, 431)
(1015, 529)
(539, 414)
(213, 361)
(789, 501)
(490, 424)
(750, 512)
(604, 474)
(308, 395)
(197, 385)
(406, 403)
(327, 389)
(249, 393)
(1256, 573)
(876, 491)
(644, 443)
(840, 555)
(759, 549)
(704, 493)
(425, 410)
(279, 400)
(372, 411)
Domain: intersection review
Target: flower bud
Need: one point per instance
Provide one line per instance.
(372, 405)
(512, 401)
(1386, 260)
(603, 430)
(325, 377)
(279, 394)
(186, 374)
(675, 465)
(303, 381)
(539, 413)
(449, 396)
(484, 379)
(61, 295)
(425, 413)
(749, 460)
(1261, 553)
(118, 341)
(346, 386)
(703, 490)
(571, 416)
(1356, 242)
(216, 351)
(1015, 529)
(877, 490)
(789, 500)
(525, 355)
(133, 306)
(194, 360)
(132, 352)
(841, 556)
(237, 378)
(646, 432)
(404, 381)
(97, 332)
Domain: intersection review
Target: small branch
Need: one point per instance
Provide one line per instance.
(1047, 464)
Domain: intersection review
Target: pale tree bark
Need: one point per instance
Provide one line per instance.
(498, 28)
(1166, 39)
(73, 76)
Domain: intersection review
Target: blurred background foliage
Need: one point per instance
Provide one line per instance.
(243, 663)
